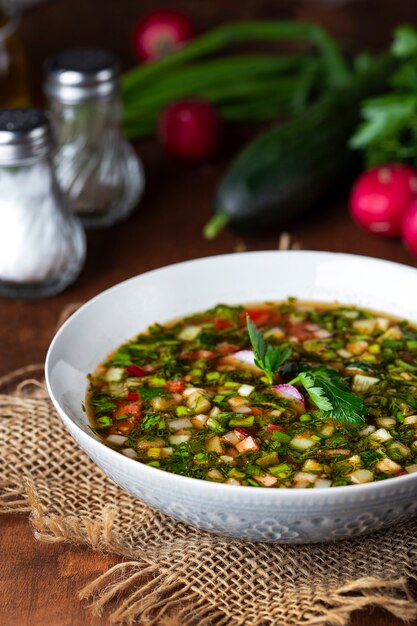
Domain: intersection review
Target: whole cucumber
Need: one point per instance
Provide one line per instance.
(286, 170)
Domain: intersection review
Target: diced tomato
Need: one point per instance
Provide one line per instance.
(256, 411)
(220, 324)
(273, 427)
(130, 408)
(260, 318)
(403, 473)
(135, 370)
(133, 410)
(175, 386)
(198, 354)
(133, 396)
(227, 348)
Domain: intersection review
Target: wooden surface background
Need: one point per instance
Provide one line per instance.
(39, 582)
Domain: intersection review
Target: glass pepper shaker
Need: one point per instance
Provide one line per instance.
(97, 169)
(42, 245)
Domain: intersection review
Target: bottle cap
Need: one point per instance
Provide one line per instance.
(81, 74)
(24, 133)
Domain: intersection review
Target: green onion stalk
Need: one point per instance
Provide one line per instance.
(231, 81)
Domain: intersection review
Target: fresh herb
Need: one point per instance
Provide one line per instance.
(388, 133)
(208, 340)
(268, 358)
(154, 419)
(149, 393)
(330, 393)
(315, 393)
(102, 404)
(121, 358)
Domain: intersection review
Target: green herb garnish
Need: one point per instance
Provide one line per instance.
(316, 393)
(102, 404)
(268, 358)
(148, 393)
(152, 420)
(330, 393)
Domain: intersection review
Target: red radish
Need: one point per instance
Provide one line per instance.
(190, 130)
(242, 433)
(135, 370)
(160, 32)
(409, 228)
(289, 392)
(381, 196)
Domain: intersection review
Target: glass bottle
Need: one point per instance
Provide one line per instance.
(13, 79)
(42, 245)
(97, 169)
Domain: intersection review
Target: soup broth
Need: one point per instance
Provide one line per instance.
(274, 395)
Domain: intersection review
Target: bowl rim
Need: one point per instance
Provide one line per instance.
(196, 483)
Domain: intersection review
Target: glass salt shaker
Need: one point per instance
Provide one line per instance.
(42, 245)
(97, 169)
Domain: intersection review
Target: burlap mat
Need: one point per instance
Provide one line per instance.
(171, 574)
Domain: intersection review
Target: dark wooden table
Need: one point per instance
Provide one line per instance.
(39, 582)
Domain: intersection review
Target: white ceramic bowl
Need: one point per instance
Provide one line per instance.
(274, 515)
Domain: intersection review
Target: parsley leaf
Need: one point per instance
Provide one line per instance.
(149, 393)
(330, 393)
(151, 420)
(268, 358)
(315, 393)
(102, 404)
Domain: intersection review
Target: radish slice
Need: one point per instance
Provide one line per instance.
(289, 392)
(117, 439)
(242, 358)
(247, 356)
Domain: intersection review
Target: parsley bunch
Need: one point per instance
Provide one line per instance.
(388, 132)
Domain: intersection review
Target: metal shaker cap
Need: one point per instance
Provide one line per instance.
(24, 133)
(81, 74)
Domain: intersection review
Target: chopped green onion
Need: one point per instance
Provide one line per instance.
(213, 424)
(242, 421)
(105, 421)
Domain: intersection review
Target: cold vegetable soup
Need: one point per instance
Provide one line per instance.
(281, 395)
